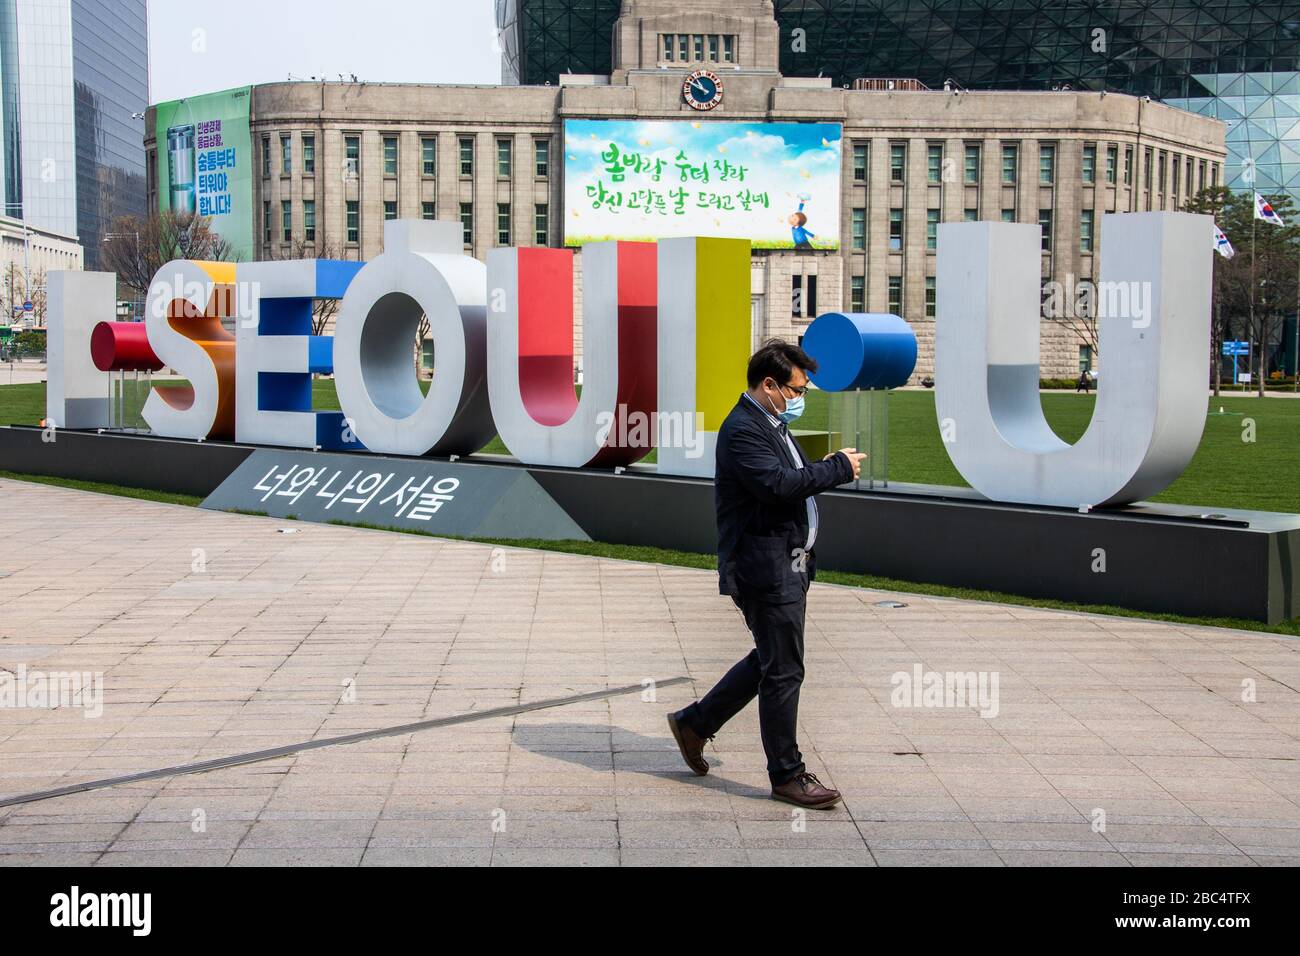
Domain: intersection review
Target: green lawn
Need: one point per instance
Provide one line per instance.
(1225, 472)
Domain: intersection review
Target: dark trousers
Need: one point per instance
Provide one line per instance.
(772, 671)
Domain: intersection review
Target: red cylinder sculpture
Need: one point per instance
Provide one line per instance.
(122, 347)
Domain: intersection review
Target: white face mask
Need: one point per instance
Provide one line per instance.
(793, 409)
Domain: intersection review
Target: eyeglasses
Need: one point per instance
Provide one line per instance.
(797, 389)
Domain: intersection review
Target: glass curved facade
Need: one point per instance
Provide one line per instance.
(1237, 60)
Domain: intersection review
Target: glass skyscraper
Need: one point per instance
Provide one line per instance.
(1237, 60)
(72, 73)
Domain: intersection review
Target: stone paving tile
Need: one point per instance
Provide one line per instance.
(290, 638)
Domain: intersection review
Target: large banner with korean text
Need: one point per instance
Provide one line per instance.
(775, 184)
(205, 162)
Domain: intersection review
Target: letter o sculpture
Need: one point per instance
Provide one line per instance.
(423, 270)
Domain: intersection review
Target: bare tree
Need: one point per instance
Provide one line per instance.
(138, 247)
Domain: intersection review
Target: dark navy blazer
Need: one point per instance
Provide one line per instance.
(759, 493)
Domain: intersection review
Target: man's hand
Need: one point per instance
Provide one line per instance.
(855, 459)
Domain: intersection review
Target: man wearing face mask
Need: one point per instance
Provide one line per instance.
(767, 526)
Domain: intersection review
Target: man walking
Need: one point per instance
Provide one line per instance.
(767, 525)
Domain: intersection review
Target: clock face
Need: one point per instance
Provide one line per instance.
(702, 90)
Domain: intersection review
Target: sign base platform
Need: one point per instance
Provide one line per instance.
(1148, 557)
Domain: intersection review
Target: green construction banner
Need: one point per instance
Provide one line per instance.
(205, 162)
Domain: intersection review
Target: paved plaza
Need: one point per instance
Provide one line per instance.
(1115, 741)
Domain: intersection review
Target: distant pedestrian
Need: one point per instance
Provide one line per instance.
(1085, 382)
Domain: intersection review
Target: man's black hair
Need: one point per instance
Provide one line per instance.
(778, 359)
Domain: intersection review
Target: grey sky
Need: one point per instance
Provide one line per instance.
(199, 47)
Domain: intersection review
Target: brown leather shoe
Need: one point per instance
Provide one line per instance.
(805, 790)
(690, 744)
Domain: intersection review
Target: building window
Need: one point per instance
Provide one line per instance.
(1008, 215)
(1175, 167)
(1045, 224)
(1085, 230)
(803, 296)
(390, 210)
(309, 155)
(713, 47)
(896, 230)
(542, 158)
(309, 220)
(467, 223)
(1085, 358)
(503, 158)
(859, 233)
(503, 224)
(728, 48)
(428, 210)
(286, 154)
(467, 156)
(390, 155)
(934, 163)
(668, 45)
(1189, 174)
(1112, 160)
(266, 221)
(857, 294)
(1010, 162)
(542, 224)
(1201, 177)
(897, 162)
(1214, 176)
(429, 156)
(970, 215)
(354, 222)
(1146, 168)
(930, 297)
(699, 46)
(859, 162)
(1047, 164)
(1089, 164)
(972, 173)
(352, 156)
(286, 221)
(683, 41)
(266, 156)
(932, 229)
(1128, 166)
(896, 295)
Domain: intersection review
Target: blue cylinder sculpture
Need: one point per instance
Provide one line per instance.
(860, 350)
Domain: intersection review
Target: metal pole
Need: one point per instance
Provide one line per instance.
(1253, 292)
(871, 440)
(884, 441)
(857, 432)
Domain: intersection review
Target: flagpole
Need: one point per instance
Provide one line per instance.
(1252, 284)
